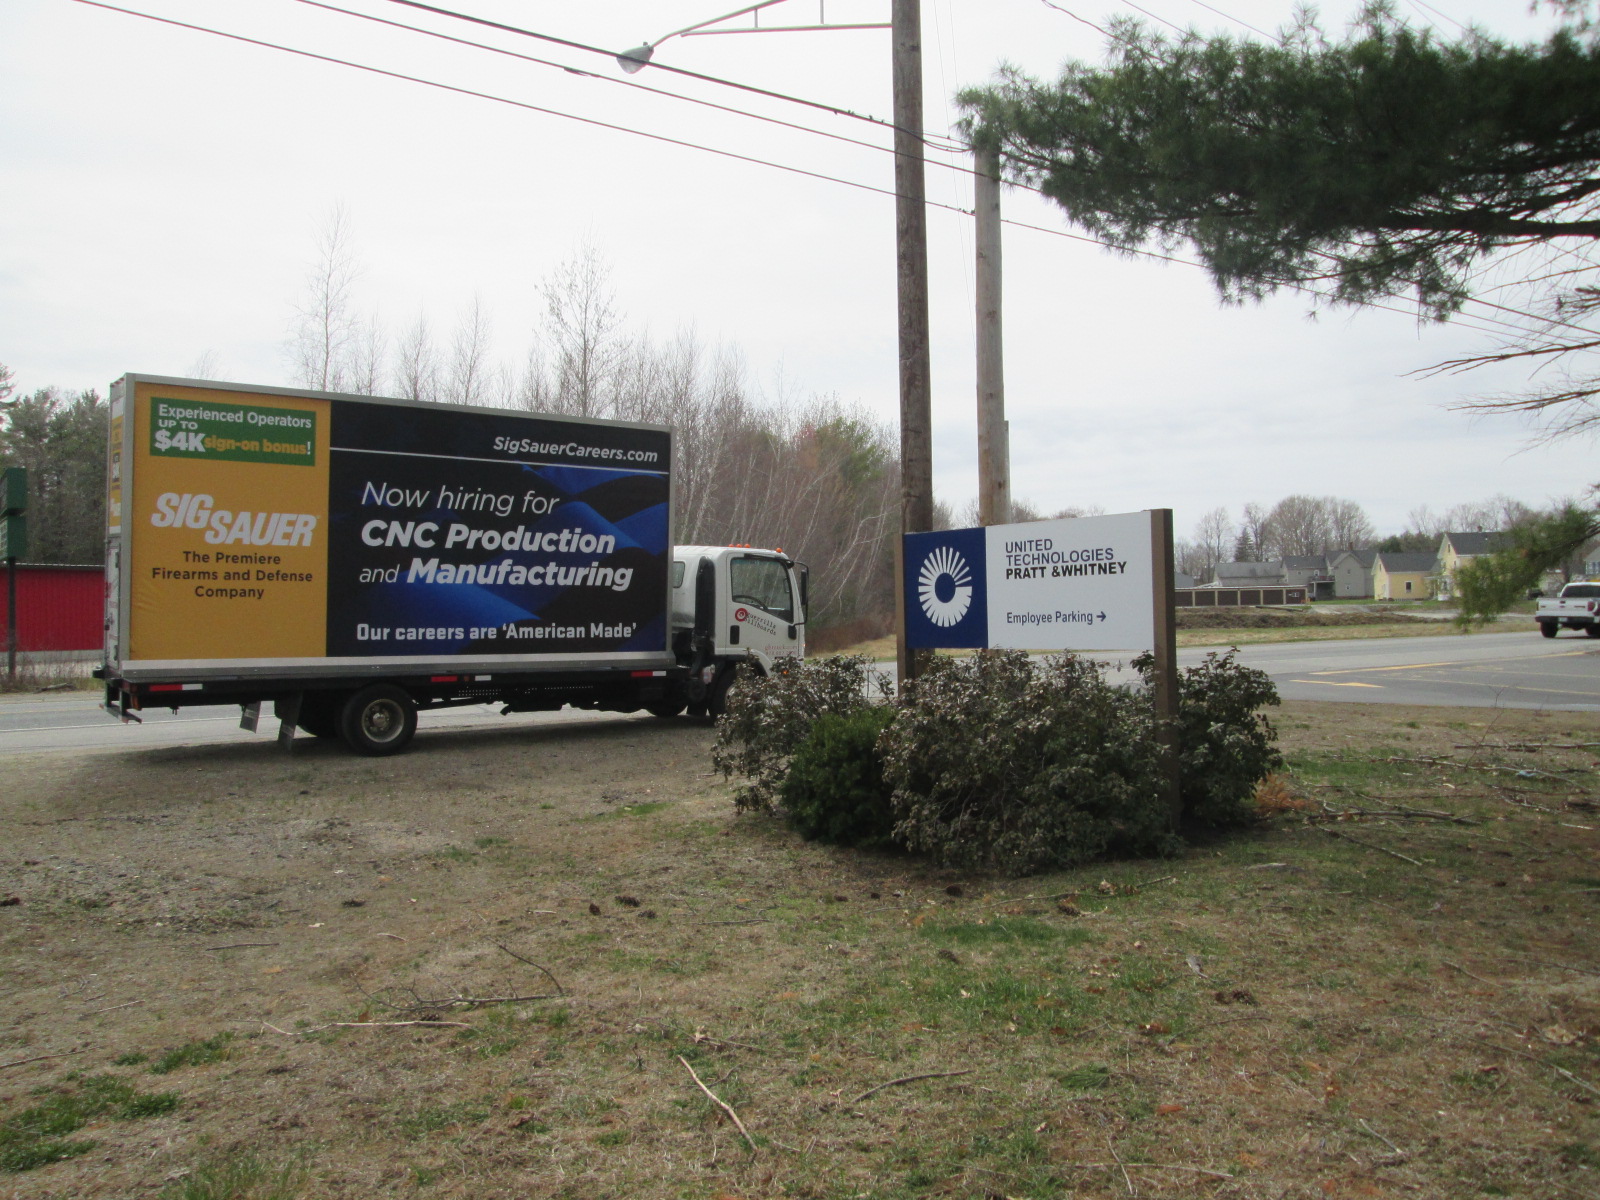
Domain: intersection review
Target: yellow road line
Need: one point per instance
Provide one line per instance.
(1457, 663)
(1331, 683)
(1407, 667)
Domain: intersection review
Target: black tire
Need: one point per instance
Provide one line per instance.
(666, 708)
(319, 716)
(378, 720)
(1592, 629)
(1548, 628)
(717, 696)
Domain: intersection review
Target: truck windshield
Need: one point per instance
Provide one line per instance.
(763, 582)
(1581, 591)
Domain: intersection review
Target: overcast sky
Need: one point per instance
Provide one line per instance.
(164, 190)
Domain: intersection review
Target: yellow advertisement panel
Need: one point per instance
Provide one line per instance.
(228, 524)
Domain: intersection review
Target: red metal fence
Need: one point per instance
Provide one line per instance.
(58, 608)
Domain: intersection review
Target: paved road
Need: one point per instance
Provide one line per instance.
(75, 722)
(1491, 670)
(1505, 670)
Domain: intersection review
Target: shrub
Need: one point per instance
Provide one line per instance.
(769, 718)
(834, 789)
(996, 762)
(1226, 744)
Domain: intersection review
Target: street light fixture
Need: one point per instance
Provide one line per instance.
(911, 261)
(635, 60)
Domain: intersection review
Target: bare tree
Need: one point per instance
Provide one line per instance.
(326, 325)
(1253, 524)
(205, 366)
(470, 370)
(368, 346)
(1297, 525)
(1213, 541)
(416, 365)
(1349, 527)
(582, 323)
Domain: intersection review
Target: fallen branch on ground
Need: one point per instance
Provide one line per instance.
(361, 1025)
(37, 1058)
(910, 1079)
(721, 1103)
(1588, 1087)
(1531, 746)
(534, 965)
(1143, 1166)
(1370, 845)
(1461, 766)
(113, 1008)
(1399, 810)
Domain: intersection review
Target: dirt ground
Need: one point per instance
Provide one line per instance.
(250, 901)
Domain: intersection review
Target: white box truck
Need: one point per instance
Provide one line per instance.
(354, 560)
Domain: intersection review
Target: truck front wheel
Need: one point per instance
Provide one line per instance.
(378, 720)
(1548, 628)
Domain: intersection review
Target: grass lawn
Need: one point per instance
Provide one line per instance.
(1389, 988)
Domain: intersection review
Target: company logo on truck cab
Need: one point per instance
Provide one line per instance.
(224, 527)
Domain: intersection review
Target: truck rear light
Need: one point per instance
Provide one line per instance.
(444, 679)
(646, 674)
(173, 687)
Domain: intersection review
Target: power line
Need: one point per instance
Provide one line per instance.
(627, 83)
(101, 4)
(461, 91)
(612, 54)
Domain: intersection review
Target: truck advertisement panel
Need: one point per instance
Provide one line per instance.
(278, 529)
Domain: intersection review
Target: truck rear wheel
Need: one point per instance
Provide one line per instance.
(1592, 629)
(1548, 628)
(378, 720)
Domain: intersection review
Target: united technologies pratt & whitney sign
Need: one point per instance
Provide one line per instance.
(1082, 583)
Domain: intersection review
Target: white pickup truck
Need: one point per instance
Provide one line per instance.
(1577, 607)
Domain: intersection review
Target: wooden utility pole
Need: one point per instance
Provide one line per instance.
(994, 449)
(1164, 644)
(911, 257)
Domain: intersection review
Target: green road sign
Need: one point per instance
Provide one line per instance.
(13, 491)
(13, 536)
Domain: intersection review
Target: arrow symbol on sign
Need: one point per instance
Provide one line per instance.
(1102, 616)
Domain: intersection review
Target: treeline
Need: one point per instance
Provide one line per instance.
(817, 477)
(60, 437)
(1299, 526)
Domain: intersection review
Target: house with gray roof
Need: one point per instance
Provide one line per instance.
(1352, 573)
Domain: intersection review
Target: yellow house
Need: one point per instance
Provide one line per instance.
(1458, 549)
(1401, 576)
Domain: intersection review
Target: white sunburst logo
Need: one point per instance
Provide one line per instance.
(945, 587)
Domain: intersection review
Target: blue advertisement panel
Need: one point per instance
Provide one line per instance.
(946, 590)
(479, 535)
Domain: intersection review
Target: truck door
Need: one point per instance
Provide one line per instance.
(762, 614)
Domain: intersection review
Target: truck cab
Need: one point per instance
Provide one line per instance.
(731, 605)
